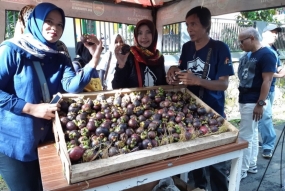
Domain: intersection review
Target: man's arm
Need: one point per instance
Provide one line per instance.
(258, 109)
(267, 80)
(216, 85)
(280, 72)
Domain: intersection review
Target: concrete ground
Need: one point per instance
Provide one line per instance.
(271, 179)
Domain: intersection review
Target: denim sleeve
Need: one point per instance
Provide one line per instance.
(8, 67)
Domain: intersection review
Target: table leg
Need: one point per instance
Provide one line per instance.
(184, 176)
(235, 172)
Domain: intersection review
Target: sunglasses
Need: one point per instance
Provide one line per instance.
(241, 41)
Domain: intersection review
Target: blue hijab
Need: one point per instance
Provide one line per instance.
(36, 21)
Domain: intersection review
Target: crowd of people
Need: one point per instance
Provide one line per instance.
(36, 65)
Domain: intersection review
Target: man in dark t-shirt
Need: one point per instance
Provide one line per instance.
(209, 84)
(265, 125)
(220, 65)
(255, 72)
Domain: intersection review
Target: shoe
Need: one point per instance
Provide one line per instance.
(253, 169)
(267, 153)
(243, 175)
(259, 144)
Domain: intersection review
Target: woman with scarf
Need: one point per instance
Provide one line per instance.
(144, 65)
(108, 63)
(25, 112)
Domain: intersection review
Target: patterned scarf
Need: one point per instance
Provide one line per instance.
(149, 56)
(33, 46)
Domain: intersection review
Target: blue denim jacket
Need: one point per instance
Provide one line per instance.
(21, 133)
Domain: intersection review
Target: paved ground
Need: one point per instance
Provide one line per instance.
(271, 180)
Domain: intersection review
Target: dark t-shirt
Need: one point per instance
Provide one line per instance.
(250, 70)
(220, 65)
(127, 77)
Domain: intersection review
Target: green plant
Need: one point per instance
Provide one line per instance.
(11, 23)
(3, 185)
(131, 28)
(230, 37)
(246, 19)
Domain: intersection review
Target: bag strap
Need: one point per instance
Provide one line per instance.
(206, 69)
(108, 66)
(42, 79)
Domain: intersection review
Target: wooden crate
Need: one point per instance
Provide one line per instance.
(116, 164)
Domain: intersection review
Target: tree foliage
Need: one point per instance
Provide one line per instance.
(247, 19)
(10, 23)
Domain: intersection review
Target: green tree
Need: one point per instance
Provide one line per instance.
(246, 19)
(11, 17)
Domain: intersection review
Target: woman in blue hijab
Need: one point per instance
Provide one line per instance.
(25, 112)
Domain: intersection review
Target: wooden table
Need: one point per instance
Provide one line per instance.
(53, 178)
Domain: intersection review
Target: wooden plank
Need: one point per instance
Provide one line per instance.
(80, 172)
(122, 162)
(94, 10)
(176, 12)
(56, 181)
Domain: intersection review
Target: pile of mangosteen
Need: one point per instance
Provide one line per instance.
(124, 123)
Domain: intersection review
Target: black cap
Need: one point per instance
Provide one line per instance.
(271, 27)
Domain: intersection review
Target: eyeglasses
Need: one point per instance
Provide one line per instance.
(241, 41)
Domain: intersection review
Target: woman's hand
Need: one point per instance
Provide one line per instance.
(42, 110)
(171, 77)
(121, 59)
(188, 78)
(95, 48)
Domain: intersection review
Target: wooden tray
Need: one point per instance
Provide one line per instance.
(85, 171)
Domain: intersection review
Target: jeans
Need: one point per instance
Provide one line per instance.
(249, 132)
(265, 125)
(218, 177)
(18, 175)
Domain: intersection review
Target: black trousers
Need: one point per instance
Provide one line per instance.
(20, 176)
(218, 177)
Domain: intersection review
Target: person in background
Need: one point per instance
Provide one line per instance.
(208, 65)
(143, 65)
(23, 17)
(108, 63)
(82, 58)
(265, 124)
(255, 72)
(25, 112)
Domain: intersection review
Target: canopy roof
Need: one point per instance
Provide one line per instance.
(144, 3)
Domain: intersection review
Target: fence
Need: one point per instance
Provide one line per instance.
(221, 29)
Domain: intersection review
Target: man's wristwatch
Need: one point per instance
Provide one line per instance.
(261, 103)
